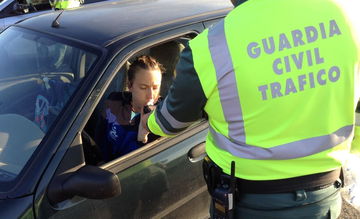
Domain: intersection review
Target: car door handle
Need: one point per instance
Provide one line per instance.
(197, 153)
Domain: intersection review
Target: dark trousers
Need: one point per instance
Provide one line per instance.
(317, 204)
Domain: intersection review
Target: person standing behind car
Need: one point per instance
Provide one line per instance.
(123, 108)
(279, 81)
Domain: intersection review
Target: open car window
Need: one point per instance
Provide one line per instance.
(99, 130)
(38, 75)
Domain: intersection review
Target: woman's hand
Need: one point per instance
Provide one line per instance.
(143, 130)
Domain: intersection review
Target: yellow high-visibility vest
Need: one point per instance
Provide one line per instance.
(279, 78)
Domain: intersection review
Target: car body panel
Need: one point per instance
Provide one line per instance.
(162, 186)
(12, 20)
(22, 206)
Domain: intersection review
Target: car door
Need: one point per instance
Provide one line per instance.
(157, 181)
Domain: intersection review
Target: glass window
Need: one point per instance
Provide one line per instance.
(37, 77)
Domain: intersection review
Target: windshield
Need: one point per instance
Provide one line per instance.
(38, 75)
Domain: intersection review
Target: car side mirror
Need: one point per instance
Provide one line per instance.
(89, 182)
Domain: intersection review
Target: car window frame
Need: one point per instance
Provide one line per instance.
(150, 149)
(118, 61)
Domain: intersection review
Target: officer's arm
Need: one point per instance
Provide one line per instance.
(184, 103)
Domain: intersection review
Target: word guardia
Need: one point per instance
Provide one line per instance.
(296, 61)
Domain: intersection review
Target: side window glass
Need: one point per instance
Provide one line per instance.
(112, 129)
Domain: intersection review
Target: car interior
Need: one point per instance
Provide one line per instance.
(34, 93)
(55, 79)
(168, 55)
(18, 135)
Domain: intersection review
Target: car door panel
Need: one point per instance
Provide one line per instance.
(161, 185)
(166, 185)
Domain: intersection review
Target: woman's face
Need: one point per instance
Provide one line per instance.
(145, 88)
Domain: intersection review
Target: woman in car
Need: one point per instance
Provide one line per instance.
(123, 109)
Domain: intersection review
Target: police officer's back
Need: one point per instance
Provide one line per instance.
(278, 80)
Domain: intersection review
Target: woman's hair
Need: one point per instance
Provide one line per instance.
(143, 62)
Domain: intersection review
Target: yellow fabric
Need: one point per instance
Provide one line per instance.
(65, 4)
(304, 113)
(208, 81)
(278, 169)
(301, 111)
(154, 127)
(62, 4)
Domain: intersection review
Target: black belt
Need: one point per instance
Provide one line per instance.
(309, 183)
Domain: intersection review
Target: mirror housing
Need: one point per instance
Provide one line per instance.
(89, 182)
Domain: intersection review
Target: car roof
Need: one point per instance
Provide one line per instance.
(105, 22)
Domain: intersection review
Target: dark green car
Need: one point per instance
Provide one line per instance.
(56, 71)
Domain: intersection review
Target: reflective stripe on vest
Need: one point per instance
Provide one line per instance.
(171, 120)
(230, 102)
(228, 90)
(291, 150)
